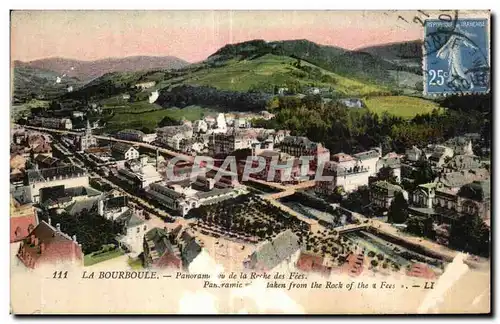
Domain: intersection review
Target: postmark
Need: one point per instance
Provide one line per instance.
(456, 56)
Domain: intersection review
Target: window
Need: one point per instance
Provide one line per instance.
(138, 229)
(30, 228)
(145, 227)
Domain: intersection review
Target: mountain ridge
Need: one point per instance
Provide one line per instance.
(88, 70)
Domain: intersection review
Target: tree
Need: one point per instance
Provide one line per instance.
(168, 121)
(421, 226)
(386, 174)
(470, 234)
(398, 211)
(424, 173)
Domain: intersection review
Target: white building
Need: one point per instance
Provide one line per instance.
(145, 85)
(133, 229)
(182, 196)
(123, 151)
(153, 96)
(68, 175)
(138, 175)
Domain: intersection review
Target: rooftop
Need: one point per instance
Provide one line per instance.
(49, 174)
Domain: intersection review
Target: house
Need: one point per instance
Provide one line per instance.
(48, 245)
(189, 245)
(23, 219)
(460, 145)
(393, 162)
(413, 154)
(382, 193)
(352, 103)
(153, 96)
(43, 161)
(280, 254)
(68, 175)
(133, 230)
(159, 251)
(462, 162)
(123, 151)
(139, 176)
(145, 85)
(438, 154)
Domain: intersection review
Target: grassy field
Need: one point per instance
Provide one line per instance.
(403, 106)
(129, 117)
(90, 259)
(277, 70)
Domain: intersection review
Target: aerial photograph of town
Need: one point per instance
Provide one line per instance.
(314, 144)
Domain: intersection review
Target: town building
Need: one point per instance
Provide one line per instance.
(139, 175)
(145, 85)
(48, 245)
(133, 230)
(382, 194)
(393, 162)
(438, 155)
(280, 254)
(113, 207)
(74, 200)
(301, 146)
(85, 140)
(349, 177)
(352, 102)
(182, 196)
(68, 175)
(349, 172)
(130, 135)
(413, 154)
(460, 145)
(43, 161)
(223, 144)
(159, 252)
(173, 136)
(23, 219)
(124, 151)
(462, 162)
(57, 123)
(447, 205)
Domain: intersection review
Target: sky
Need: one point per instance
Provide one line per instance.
(194, 35)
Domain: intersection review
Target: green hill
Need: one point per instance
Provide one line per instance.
(33, 83)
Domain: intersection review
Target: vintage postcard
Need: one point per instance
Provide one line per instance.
(250, 162)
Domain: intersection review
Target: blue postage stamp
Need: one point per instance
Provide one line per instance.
(456, 56)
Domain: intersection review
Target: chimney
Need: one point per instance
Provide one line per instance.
(42, 247)
(50, 221)
(74, 238)
(58, 227)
